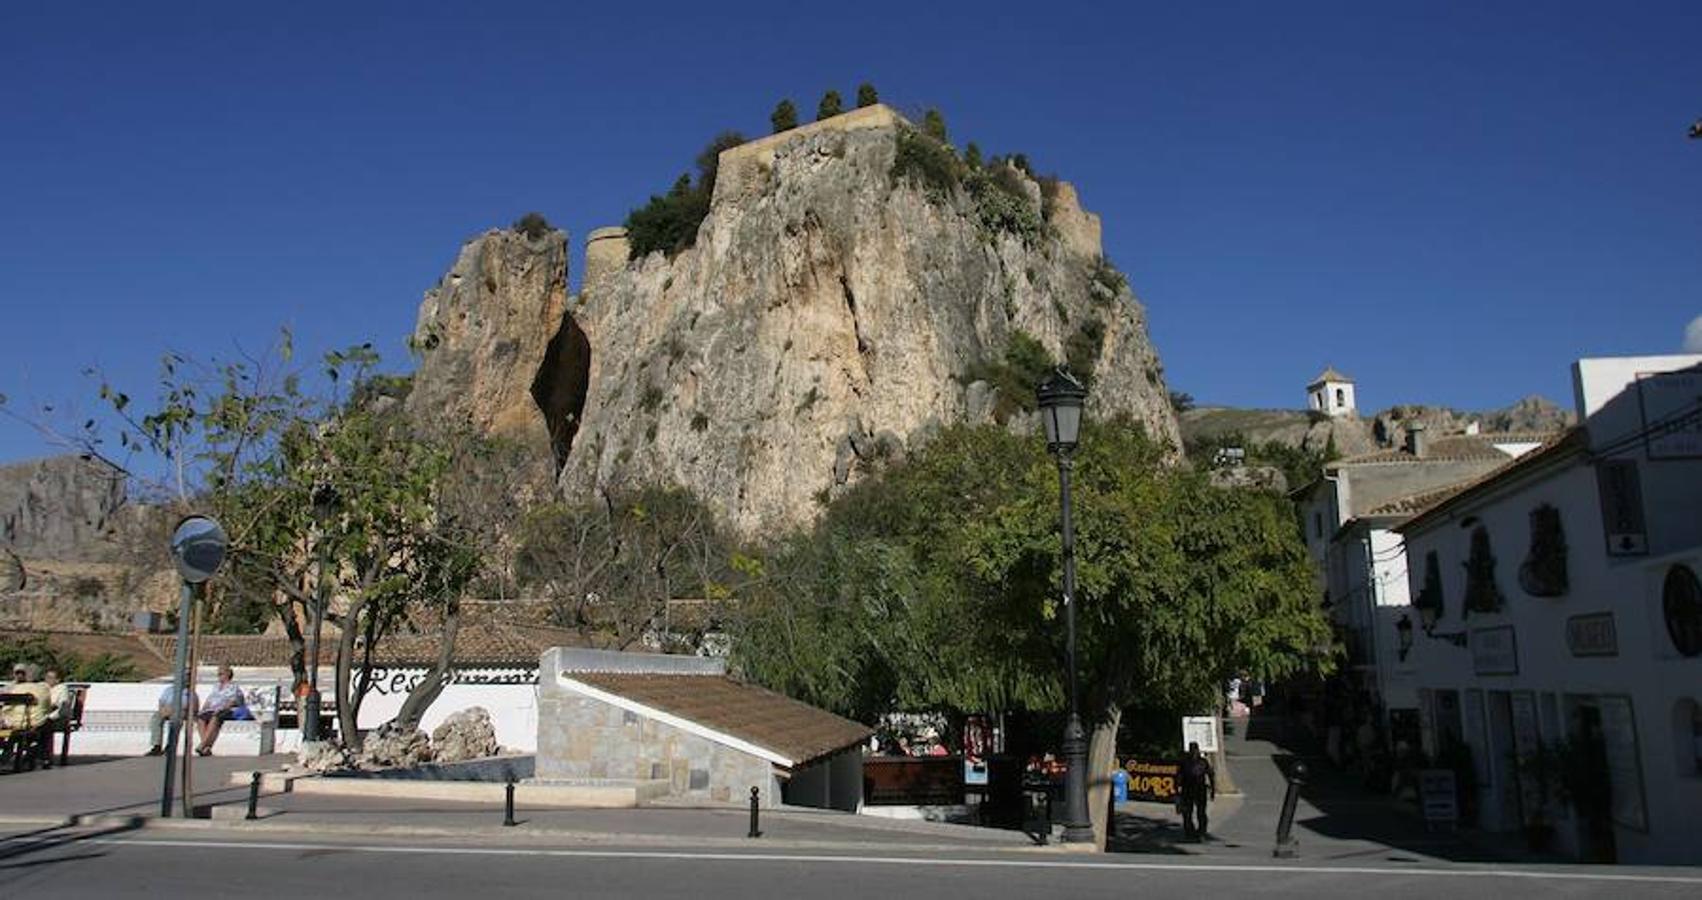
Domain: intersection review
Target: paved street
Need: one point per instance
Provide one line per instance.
(118, 863)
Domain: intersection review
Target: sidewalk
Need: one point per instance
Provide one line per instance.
(125, 792)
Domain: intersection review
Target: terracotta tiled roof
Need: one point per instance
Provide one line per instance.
(1413, 503)
(1449, 448)
(775, 722)
(1559, 446)
(90, 644)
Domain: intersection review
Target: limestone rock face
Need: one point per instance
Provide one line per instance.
(484, 337)
(391, 747)
(829, 316)
(63, 507)
(467, 734)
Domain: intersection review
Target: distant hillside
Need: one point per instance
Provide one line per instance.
(1212, 426)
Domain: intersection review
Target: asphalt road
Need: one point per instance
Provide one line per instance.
(121, 864)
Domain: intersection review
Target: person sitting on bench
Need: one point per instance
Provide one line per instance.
(225, 702)
(165, 713)
(22, 718)
(59, 713)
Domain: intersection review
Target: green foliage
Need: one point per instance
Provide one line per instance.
(866, 95)
(1298, 466)
(70, 666)
(972, 155)
(669, 222)
(927, 163)
(1025, 364)
(934, 125)
(533, 225)
(1002, 204)
(1107, 283)
(699, 421)
(651, 398)
(935, 584)
(831, 105)
(1181, 401)
(784, 117)
(1081, 349)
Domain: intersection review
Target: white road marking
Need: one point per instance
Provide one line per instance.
(1530, 874)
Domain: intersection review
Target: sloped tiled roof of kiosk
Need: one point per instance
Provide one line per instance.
(774, 722)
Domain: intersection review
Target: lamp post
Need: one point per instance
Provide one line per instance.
(198, 548)
(1060, 397)
(324, 506)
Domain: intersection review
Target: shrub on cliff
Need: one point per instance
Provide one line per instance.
(533, 225)
(928, 163)
(669, 222)
(866, 95)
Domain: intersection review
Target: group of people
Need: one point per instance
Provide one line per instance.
(225, 702)
(34, 706)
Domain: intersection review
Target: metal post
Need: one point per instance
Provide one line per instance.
(1077, 827)
(1286, 845)
(253, 797)
(178, 677)
(309, 718)
(755, 831)
(508, 805)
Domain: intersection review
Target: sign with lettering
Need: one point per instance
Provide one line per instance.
(1592, 634)
(1437, 796)
(1622, 507)
(401, 681)
(1672, 413)
(1495, 651)
(1201, 730)
(1153, 780)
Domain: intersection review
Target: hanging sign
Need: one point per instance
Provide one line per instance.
(1201, 730)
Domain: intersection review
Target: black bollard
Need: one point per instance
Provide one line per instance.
(508, 804)
(1286, 845)
(253, 796)
(755, 831)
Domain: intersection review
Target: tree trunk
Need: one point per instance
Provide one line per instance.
(1101, 758)
(425, 693)
(346, 713)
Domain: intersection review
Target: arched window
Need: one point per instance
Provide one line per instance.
(1341, 397)
(1681, 604)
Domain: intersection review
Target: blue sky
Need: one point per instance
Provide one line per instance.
(1450, 202)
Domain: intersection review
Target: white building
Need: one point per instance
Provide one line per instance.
(1331, 393)
(1557, 621)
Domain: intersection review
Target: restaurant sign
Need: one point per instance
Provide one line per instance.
(1153, 780)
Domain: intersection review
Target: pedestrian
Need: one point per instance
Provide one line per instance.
(165, 712)
(1199, 785)
(224, 702)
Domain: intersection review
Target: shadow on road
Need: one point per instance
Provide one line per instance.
(15, 848)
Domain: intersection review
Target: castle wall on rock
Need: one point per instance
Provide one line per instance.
(606, 251)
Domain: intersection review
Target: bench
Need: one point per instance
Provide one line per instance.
(117, 716)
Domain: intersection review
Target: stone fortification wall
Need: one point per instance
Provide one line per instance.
(747, 167)
(606, 252)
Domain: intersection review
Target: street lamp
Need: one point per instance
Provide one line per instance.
(1060, 397)
(1403, 632)
(325, 501)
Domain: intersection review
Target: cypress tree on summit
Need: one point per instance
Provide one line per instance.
(934, 125)
(784, 117)
(866, 95)
(831, 105)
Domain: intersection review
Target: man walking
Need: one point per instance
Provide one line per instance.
(1199, 785)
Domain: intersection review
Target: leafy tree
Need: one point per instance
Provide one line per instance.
(831, 105)
(323, 499)
(70, 666)
(866, 95)
(1181, 401)
(934, 125)
(936, 586)
(784, 117)
(709, 159)
(972, 155)
(669, 222)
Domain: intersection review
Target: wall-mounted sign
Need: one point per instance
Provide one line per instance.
(1201, 730)
(1672, 413)
(1153, 780)
(1592, 634)
(1622, 507)
(1438, 797)
(1495, 651)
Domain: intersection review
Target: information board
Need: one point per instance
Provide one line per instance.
(1438, 796)
(1201, 730)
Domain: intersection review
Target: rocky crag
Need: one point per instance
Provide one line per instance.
(830, 314)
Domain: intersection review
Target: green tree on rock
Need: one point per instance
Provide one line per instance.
(934, 125)
(784, 117)
(831, 105)
(866, 95)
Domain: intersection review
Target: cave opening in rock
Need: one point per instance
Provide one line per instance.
(560, 385)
